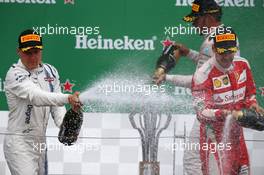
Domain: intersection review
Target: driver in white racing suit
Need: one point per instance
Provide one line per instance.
(33, 93)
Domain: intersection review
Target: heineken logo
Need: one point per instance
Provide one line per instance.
(124, 43)
(224, 3)
(29, 1)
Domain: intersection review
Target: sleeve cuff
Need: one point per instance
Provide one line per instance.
(250, 102)
(63, 98)
(193, 54)
(219, 115)
(169, 77)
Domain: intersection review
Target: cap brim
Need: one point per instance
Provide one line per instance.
(190, 18)
(226, 50)
(31, 47)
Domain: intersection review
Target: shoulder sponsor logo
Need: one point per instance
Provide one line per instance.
(230, 96)
(2, 85)
(124, 43)
(225, 3)
(242, 77)
(20, 77)
(221, 82)
(29, 1)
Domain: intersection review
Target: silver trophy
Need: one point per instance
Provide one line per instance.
(149, 125)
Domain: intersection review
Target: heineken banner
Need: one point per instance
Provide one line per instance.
(92, 43)
(88, 40)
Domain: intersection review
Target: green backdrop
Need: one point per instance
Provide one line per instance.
(137, 19)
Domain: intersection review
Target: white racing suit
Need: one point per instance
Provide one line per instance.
(191, 158)
(31, 96)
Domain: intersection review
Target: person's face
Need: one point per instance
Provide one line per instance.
(31, 58)
(225, 60)
(204, 23)
(199, 22)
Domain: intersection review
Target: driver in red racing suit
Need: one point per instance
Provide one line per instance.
(223, 84)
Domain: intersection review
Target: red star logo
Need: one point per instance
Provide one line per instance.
(262, 91)
(67, 86)
(167, 42)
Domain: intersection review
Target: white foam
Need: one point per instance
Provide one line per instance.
(129, 91)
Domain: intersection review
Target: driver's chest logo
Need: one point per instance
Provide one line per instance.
(221, 82)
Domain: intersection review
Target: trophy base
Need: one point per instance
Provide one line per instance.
(149, 168)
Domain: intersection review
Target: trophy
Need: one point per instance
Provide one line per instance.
(149, 125)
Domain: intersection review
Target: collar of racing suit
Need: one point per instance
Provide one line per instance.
(20, 64)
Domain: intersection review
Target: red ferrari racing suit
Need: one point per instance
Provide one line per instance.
(223, 149)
